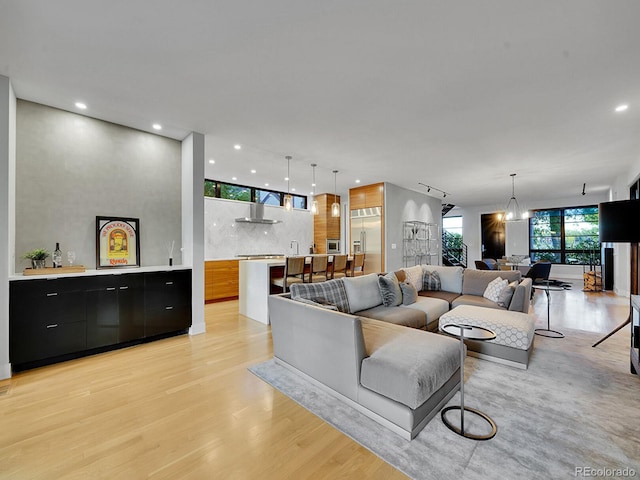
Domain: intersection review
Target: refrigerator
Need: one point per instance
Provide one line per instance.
(366, 236)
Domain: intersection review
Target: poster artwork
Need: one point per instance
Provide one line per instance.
(118, 242)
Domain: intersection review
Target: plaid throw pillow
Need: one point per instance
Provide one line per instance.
(331, 293)
(431, 281)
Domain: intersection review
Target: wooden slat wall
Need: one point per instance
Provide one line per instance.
(221, 280)
(368, 196)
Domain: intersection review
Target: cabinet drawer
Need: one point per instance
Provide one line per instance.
(124, 281)
(53, 307)
(35, 288)
(165, 320)
(29, 343)
(167, 289)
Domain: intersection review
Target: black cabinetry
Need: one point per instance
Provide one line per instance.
(56, 319)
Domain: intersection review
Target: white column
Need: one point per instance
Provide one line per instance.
(193, 224)
(7, 213)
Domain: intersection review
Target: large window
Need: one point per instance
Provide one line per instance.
(565, 235)
(230, 191)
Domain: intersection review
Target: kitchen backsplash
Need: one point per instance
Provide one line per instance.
(226, 238)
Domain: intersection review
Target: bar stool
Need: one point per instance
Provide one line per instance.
(339, 266)
(293, 273)
(357, 266)
(318, 271)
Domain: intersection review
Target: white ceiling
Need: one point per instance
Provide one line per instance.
(454, 94)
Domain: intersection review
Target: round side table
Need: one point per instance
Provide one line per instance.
(472, 332)
(547, 332)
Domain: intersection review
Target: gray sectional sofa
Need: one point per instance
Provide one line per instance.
(349, 336)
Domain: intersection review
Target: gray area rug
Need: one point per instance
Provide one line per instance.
(575, 407)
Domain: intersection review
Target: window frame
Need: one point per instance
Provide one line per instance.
(563, 251)
(253, 196)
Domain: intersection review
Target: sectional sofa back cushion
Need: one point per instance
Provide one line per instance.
(476, 281)
(390, 290)
(362, 292)
(450, 277)
(332, 292)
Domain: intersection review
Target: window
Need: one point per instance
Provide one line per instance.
(230, 191)
(565, 235)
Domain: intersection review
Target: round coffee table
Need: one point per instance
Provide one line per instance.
(547, 332)
(472, 332)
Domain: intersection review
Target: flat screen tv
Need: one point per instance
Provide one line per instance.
(619, 221)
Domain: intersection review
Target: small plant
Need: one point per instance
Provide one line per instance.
(37, 254)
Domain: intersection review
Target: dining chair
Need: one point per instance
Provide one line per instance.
(339, 266)
(318, 271)
(357, 265)
(293, 273)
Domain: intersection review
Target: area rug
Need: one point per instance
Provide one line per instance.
(574, 412)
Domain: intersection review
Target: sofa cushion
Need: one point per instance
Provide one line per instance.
(362, 292)
(404, 364)
(494, 289)
(430, 280)
(450, 277)
(475, 281)
(474, 300)
(398, 315)
(327, 306)
(432, 307)
(332, 292)
(409, 293)
(448, 296)
(390, 290)
(414, 276)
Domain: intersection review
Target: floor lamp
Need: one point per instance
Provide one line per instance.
(619, 223)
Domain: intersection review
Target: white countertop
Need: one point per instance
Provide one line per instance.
(103, 271)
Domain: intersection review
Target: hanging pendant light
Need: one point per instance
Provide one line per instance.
(314, 203)
(335, 206)
(288, 200)
(513, 212)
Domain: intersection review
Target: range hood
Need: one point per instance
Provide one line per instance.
(256, 215)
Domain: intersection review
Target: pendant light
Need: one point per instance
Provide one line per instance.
(314, 204)
(513, 212)
(288, 200)
(335, 206)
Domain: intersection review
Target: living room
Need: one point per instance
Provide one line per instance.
(460, 96)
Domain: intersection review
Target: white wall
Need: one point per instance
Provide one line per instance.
(401, 205)
(517, 233)
(226, 238)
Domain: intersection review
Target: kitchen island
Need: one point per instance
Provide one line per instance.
(255, 287)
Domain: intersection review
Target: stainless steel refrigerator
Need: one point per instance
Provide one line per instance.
(366, 236)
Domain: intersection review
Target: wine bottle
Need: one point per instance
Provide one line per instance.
(57, 256)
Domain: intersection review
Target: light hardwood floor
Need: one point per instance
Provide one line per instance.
(187, 407)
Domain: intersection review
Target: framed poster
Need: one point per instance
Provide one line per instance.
(117, 242)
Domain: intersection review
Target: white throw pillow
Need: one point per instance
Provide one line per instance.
(494, 289)
(413, 275)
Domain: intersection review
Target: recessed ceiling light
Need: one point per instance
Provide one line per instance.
(157, 126)
(266, 184)
(357, 181)
(253, 170)
(212, 161)
(237, 147)
(286, 179)
(234, 178)
(81, 106)
(313, 184)
(622, 108)
(293, 189)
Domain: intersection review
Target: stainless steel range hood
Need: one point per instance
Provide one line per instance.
(256, 215)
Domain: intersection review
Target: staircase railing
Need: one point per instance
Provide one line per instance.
(454, 250)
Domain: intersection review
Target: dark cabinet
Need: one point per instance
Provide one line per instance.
(56, 319)
(115, 309)
(167, 302)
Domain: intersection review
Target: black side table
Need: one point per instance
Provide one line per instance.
(547, 332)
(463, 331)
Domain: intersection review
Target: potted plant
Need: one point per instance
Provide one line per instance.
(37, 257)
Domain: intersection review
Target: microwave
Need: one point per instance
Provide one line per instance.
(333, 245)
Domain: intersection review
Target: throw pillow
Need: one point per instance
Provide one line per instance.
(414, 276)
(320, 304)
(390, 290)
(409, 293)
(332, 292)
(507, 294)
(494, 289)
(362, 292)
(431, 280)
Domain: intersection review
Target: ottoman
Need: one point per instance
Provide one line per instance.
(514, 333)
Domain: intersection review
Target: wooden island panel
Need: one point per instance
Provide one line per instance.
(221, 280)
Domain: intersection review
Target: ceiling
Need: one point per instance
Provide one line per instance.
(453, 94)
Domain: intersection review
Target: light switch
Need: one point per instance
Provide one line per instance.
(393, 246)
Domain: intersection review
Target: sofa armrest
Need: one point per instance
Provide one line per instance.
(521, 300)
(325, 344)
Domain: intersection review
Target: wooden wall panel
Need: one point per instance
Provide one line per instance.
(324, 225)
